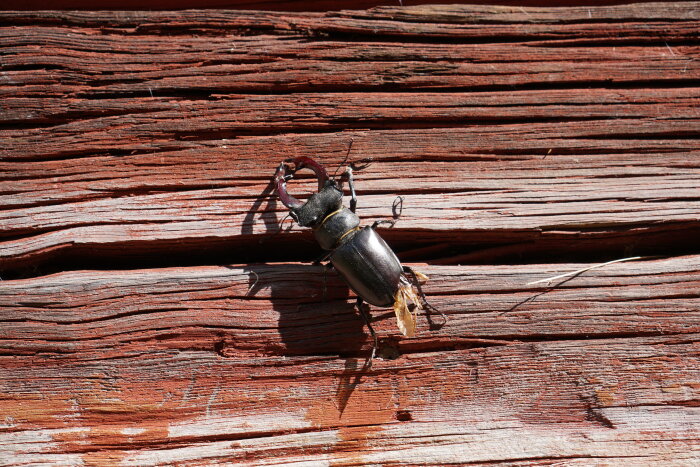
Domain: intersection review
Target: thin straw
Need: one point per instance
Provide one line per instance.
(573, 273)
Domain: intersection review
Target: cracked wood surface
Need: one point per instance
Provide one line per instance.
(137, 150)
(212, 364)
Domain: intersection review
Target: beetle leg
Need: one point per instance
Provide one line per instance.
(326, 267)
(353, 195)
(426, 304)
(368, 321)
(377, 223)
(321, 258)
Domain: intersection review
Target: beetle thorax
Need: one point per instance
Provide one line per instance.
(335, 228)
(318, 206)
(324, 212)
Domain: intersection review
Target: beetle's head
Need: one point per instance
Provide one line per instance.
(311, 213)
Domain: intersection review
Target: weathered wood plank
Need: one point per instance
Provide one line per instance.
(193, 374)
(159, 124)
(258, 307)
(136, 157)
(157, 199)
(606, 400)
(276, 5)
(167, 195)
(258, 114)
(366, 67)
(442, 21)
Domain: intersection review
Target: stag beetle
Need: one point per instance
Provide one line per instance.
(359, 254)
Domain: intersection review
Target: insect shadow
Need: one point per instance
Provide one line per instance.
(269, 219)
(313, 322)
(317, 316)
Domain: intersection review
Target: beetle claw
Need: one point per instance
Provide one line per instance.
(282, 176)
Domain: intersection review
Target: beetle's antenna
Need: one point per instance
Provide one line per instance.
(347, 154)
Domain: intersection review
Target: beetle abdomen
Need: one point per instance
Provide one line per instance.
(369, 267)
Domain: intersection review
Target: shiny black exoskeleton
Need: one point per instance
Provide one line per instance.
(359, 254)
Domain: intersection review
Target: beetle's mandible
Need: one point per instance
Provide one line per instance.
(359, 254)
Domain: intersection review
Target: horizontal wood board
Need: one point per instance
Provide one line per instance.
(153, 312)
(273, 5)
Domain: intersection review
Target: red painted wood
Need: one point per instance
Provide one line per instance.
(150, 313)
(278, 5)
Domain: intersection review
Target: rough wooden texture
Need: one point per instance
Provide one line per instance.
(162, 365)
(276, 5)
(150, 314)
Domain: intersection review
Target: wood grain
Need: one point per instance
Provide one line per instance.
(180, 364)
(276, 5)
(155, 312)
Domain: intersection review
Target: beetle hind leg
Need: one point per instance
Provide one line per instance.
(416, 280)
(326, 267)
(362, 308)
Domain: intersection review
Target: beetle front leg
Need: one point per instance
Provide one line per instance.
(384, 221)
(368, 321)
(353, 195)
